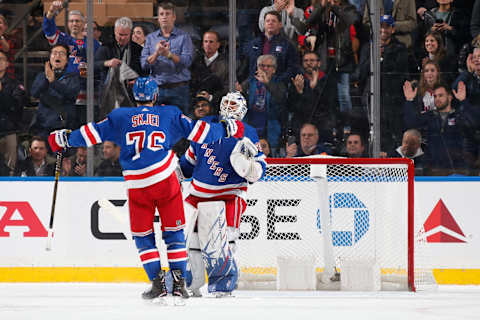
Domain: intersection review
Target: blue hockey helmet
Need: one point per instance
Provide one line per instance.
(145, 89)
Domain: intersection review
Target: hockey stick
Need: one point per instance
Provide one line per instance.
(58, 167)
(119, 216)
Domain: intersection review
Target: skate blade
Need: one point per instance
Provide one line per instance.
(179, 301)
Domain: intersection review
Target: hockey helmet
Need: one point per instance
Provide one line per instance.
(233, 106)
(145, 89)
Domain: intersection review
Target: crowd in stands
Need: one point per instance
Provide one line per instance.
(303, 67)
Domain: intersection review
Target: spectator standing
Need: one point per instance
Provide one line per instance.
(77, 43)
(309, 100)
(333, 41)
(210, 69)
(139, 35)
(394, 72)
(76, 165)
(266, 96)
(247, 20)
(12, 101)
(110, 166)
(443, 127)
(119, 66)
(36, 163)
(287, 11)
(76, 40)
(274, 43)
(167, 55)
(309, 143)
(450, 22)
(403, 13)
(57, 89)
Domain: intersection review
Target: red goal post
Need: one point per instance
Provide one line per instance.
(366, 207)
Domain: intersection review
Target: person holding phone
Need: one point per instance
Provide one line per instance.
(309, 143)
(450, 22)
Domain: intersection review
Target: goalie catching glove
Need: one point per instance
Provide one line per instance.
(58, 140)
(243, 161)
(234, 128)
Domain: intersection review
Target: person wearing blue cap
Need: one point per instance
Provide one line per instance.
(394, 72)
(404, 14)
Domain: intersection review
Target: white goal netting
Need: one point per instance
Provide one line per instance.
(332, 213)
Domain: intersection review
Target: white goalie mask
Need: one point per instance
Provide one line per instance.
(233, 106)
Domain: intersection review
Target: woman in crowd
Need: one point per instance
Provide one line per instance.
(139, 34)
(435, 51)
(429, 77)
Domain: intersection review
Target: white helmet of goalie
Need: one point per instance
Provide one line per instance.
(233, 106)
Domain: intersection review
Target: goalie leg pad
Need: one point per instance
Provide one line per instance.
(149, 254)
(195, 270)
(212, 234)
(176, 250)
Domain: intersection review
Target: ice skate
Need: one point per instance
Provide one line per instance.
(195, 293)
(158, 289)
(179, 291)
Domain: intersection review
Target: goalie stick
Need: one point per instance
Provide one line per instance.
(58, 167)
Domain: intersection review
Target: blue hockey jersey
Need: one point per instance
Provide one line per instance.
(145, 136)
(209, 165)
(78, 47)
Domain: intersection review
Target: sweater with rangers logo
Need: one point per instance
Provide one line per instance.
(145, 136)
(209, 165)
(78, 47)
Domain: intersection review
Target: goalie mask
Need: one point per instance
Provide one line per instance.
(145, 89)
(233, 106)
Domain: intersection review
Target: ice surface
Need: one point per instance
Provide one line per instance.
(105, 301)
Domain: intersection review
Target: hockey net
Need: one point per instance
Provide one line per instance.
(331, 214)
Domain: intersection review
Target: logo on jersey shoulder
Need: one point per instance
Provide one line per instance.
(145, 119)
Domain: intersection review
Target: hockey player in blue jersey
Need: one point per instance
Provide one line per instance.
(221, 172)
(146, 135)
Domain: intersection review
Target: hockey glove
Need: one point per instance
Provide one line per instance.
(246, 147)
(234, 128)
(58, 140)
(246, 167)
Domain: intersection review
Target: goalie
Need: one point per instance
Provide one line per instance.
(221, 172)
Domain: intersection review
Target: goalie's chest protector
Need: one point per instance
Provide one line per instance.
(213, 163)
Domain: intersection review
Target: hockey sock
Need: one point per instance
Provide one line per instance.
(149, 254)
(176, 250)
